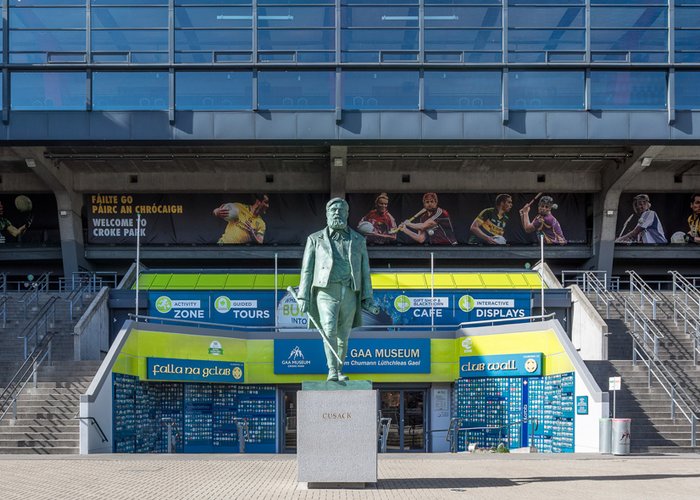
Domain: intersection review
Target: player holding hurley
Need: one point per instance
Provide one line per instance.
(544, 222)
(434, 225)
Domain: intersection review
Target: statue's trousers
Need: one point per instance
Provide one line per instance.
(336, 309)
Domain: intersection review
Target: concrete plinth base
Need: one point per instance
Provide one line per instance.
(337, 438)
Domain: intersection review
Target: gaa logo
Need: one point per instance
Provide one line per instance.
(222, 304)
(467, 344)
(466, 303)
(530, 365)
(164, 304)
(402, 303)
(237, 373)
(215, 348)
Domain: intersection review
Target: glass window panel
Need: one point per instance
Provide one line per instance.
(463, 39)
(47, 41)
(213, 90)
(687, 89)
(213, 40)
(129, 17)
(546, 17)
(527, 57)
(29, 3)
(687, 57)
(296, 40)
(148, 40)
(380, 90)
(379, 17)
(369, 39)
(628, 17)
(130, 2)
(628, 89)
(129, 90)
(463, 17)
(629, 39)
(462, 2)
(63, 18)
(687, 39)
(295, 2)
(221, 2)
(47, 91)
(296, 17)
(546, 39)
(315, 57)
(462, 90)
(546, 90)
(547, 2)
(687, 17)
(366, 2)
(213, 17)
(296, 90)
(627, 2)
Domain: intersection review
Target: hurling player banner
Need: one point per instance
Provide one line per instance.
(191, 370)
(364, 356)
(501, 365)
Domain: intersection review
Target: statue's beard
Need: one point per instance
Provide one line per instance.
(336, 223)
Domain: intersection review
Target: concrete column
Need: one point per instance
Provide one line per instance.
(605, 206)
(338, 171)
(69, 203)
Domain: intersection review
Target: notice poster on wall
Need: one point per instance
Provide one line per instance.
(384, 219)
(28, 218)
(658, 219)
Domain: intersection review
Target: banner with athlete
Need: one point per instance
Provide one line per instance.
(28, 218)
(658, 219)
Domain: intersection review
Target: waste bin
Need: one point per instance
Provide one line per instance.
(605, 435)
(621, 436)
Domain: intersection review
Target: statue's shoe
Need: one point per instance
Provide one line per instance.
(333, 377)
(342, 378)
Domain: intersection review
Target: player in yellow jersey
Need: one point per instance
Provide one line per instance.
(693, 234)
(245, 222)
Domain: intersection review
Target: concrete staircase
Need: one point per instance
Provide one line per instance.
(649, 407)
(45, 417)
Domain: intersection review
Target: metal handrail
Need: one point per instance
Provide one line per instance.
(3, 310)
(28, 370)
(593, 284)
(74, 297)
(691, 323)
(580, 277)
(674, 390)
(46, 315)
(93, 421)
(639, 319)
(3, 283)
(646, 294)
(686, 288)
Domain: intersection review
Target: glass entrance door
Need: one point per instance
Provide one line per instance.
(289, 421)
(406, 409)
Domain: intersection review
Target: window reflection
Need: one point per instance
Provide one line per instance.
(134, 90)
(545, 90)
(48, 91)
(213, 90)
(380, 90)
(628, 90)
(296, 90)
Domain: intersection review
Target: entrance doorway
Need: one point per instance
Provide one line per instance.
(406, 409)
(289, 421)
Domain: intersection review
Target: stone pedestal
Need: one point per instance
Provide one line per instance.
(337, 434)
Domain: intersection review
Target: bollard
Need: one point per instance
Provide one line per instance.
(605, 435)
(621, 436)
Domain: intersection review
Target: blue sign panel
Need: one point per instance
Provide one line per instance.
(364, 356)
(192, 370)
(581, 405)
(247, 308)
(501, 365)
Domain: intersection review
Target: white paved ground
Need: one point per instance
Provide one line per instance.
(404, 477)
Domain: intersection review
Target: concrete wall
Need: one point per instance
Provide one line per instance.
(440, 412)
(92, 330)
(589, 329)
(99, 408)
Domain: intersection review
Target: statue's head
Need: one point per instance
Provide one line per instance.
(337, 211)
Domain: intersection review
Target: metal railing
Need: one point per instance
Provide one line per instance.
(686, 290)
(75, 298)
(3, 311)
(457, 426)
(592, 284)
(93, 421)
(691, 323)
(680, 399)
(3, 283)
(580, 278)
(28, 371)
(642, 327)
(646, 295)
(39, 326)
(89, 281)
(36, 287)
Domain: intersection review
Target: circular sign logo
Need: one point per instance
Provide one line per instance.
(215, 348)
(530, 365)
(466, 303)
(402, 303)
(164, 304)
(237, 373)
(222, 304)
(467, 344)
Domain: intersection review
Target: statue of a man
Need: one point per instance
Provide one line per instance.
(335, 283)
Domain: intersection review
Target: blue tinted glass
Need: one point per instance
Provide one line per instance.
(296, 17)
(548, 2)
(295, 2)
(375, 39)
(217, 2)
(380, 90)
(213, 40)
(687, 90)
(213, 90)
(213, 17)
(463, 39)
(546, 39)
(148, 40)
(462, 90)
(627, 2)
(628, 89)
(129, 2)
(687, 39)
(463, 2)
(28, 3)
(129, 17)
(65, 17)
(387, 2)
(687, 17)
(296, 90)
(463, 17)
(628, 39)
(55, 90)
(129, 90)
(296, 40)
(545, 90)
(47, 41)
(628, 17)
(379, 17)
(546, 17)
